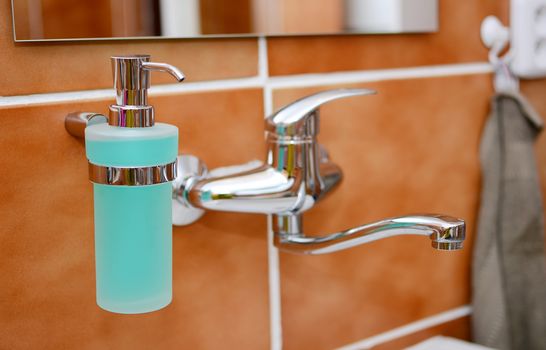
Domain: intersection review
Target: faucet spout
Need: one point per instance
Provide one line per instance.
(446, 233)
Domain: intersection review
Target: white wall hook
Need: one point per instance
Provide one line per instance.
(494, 32)
(496, 37)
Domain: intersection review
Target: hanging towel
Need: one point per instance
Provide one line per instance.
(509, 264)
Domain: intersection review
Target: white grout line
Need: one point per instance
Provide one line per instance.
(260, 81)
(56, 97)
(157, 90)
(212, 85)
(263, 73)
(275, 312)
(263, 64)
(410, 328)
(275, 325)
(268, 100)
(353, 77)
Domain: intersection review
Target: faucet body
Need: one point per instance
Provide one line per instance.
(297, 172)
(296, 175)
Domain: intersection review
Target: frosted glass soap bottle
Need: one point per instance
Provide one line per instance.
(132, 161)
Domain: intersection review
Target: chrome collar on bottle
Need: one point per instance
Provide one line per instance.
(131, 116)
(133, 176)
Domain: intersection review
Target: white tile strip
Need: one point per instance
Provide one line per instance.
(446, 343)
(263, 73)
(40, 99)
(275, 325)
(109, 94)
(353, 77)
(275, 312)
(263, 64)
(410, 328)
(203, 86)
(260, 81)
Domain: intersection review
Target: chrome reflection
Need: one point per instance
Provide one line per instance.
(134, 176)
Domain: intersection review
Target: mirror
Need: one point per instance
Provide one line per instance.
(37, 20)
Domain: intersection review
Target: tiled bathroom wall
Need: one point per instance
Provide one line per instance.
(411, 148)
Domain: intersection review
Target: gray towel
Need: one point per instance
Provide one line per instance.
(509, 264)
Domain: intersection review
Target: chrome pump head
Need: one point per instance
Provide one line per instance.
(131, 75)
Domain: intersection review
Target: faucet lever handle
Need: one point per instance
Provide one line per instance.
(300, 118)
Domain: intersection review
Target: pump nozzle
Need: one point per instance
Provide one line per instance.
(164, 67)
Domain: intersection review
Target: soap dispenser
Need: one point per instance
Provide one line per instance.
(132, 161)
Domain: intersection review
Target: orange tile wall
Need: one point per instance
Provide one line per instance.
(412, 148)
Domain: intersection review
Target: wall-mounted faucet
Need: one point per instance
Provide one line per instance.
(296, 175)
(131, 160)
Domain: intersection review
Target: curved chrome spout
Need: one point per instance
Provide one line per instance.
(446, 233)
(164, 67)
